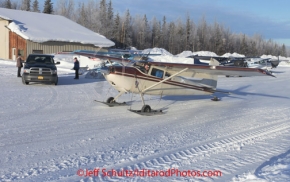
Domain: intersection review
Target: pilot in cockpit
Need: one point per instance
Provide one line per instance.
(146, 68)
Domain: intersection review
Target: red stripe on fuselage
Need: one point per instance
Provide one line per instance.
(135, 73)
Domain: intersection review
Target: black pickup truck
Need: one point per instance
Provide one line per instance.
(40, 68)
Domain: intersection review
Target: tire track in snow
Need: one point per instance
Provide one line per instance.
(54, 98)
(172, 159)
(32, 110)
(179, 157)
(36, 129)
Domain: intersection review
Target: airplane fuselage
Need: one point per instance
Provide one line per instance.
(131, 79)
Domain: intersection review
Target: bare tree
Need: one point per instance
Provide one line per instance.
(110, 20)
(179, 40)
(156, 33)
(65, 8)
(283, 51)
(127, 29)
(202, 34)
(142, 32)
(164, 36)
(116, 31)
(83, 16)
(218, 39)
(103, 17)
(244, 45)
(192, 36)
(171, 35)
(187, 33)
(7, 4)
(25, 5)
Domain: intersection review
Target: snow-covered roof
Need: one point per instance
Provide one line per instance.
(41, 27)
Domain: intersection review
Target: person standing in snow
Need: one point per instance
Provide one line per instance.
(19, 65)
(76, 67)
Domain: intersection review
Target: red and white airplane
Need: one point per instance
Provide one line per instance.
(168, 78)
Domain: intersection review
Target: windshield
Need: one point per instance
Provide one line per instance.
(40, 59)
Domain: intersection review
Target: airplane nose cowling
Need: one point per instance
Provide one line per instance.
(104, 70)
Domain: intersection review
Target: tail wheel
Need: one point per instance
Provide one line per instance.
(146, 108)
(110, 100)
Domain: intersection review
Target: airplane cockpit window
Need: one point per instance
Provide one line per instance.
(167, 75)
(158, 73)
(144, 67)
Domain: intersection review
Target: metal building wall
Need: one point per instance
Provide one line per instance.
(55, 47)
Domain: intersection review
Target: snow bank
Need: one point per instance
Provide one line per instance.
(233, 55)
(67, 59)
(284, 63)
(199, 53)
(276, 169)
(205, 53)
(171, 59)
(185, 54)
(156, 50)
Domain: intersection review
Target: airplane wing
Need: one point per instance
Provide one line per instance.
(192, 69)
(104, 56)
(218, 58)
(211, 69)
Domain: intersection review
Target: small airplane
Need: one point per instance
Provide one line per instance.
(248, 62)
(263, 63)
(162, 78)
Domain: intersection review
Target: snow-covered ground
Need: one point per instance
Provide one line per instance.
(59, 133)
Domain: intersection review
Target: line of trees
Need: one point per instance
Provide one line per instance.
(174, 36)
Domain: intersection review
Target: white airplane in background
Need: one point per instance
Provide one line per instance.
(248, 62)
(262, 63)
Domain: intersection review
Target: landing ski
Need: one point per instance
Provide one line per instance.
(215, 98)
(113, 104)
(151, 113)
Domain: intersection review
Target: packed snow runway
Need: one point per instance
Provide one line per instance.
(58, 133)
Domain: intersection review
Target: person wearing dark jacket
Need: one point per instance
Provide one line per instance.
(76, 67)
(19, 65)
